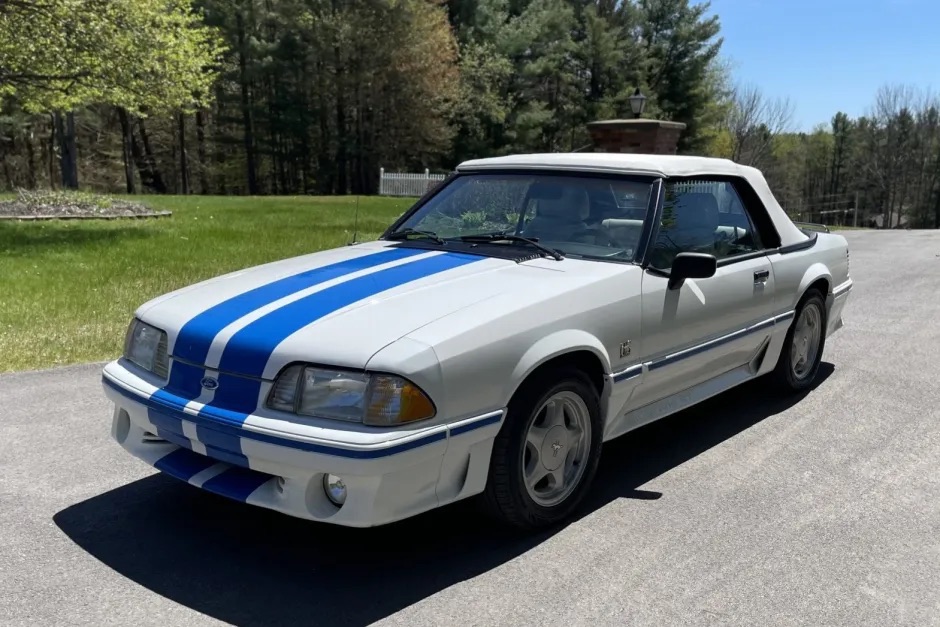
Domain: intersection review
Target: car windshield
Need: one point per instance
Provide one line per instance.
(582, 216)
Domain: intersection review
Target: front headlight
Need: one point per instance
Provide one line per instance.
(379, 400)
(146, 346)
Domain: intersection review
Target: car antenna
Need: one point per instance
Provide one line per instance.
(355, 224)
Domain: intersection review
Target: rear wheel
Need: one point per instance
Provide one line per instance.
(803, 347)
(545, 457)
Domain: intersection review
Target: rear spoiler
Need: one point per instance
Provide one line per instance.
(812, 226)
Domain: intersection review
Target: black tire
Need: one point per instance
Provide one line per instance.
(786, 379)
(505, 495)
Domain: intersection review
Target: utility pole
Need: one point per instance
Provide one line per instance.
(855, 213)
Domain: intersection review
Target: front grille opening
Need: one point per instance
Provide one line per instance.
(150, 437)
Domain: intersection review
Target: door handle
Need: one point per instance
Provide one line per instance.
(761, 276)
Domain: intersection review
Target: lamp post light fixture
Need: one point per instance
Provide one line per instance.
(637, 103)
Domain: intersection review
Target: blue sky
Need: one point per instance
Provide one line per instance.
(831, 55)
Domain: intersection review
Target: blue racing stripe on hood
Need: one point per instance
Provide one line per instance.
(196, 336)
(248, 351)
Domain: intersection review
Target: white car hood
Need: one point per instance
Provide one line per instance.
(337, 307)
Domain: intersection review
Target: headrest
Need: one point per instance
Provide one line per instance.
(569, 203)
(696, 210)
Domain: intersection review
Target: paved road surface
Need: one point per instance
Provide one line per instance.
(824, 511)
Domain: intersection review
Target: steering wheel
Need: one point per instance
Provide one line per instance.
(591, 233)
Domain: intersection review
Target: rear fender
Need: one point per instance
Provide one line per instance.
(814, 273)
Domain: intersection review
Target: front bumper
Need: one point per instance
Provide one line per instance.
(389, 474)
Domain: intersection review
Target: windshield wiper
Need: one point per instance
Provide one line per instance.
(505, 237)
(407, 233)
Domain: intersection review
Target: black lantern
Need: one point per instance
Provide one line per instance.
(637, 103)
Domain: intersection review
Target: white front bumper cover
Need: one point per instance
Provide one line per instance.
(392, 477)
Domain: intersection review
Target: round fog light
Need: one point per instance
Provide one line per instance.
(335, 489)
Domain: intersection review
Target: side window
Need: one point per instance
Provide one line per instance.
(703, 217)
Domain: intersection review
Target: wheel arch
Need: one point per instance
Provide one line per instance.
(571, 347)
(817, 276)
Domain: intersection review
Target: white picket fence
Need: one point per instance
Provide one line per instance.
(407, 183)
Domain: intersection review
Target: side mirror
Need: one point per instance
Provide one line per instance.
(691, 266)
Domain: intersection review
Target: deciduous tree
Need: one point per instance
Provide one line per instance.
(139, 55)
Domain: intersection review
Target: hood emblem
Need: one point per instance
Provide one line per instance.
(209, 383)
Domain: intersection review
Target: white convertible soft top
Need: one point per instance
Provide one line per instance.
(656, 165)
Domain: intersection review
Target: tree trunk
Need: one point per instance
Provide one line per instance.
(127, 139)
(936, 212)
(325, 164)
(341, 139)
(68, 159)
(50, 163)
(201, 151)
(184, 166)
(146, 176)
(278, 184)
(218, 147)
(72, 149)
(358, 172)
(890, 217)
(153, 179)
(246, 106)
(30, 159)
(303, 81)
(7, 175)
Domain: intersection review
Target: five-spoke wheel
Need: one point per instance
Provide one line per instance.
(546, 454)
(805, 344)
(557, 444)
(803, 347)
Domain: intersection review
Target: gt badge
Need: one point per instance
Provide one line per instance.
(625, 349)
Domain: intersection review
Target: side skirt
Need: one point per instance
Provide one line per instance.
(684, 399)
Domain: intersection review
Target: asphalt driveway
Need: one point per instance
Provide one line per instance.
(822, 510)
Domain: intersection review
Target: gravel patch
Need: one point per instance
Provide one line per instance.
(32, 205)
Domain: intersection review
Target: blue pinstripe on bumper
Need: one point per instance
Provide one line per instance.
(223, 440)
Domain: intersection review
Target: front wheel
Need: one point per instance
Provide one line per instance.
(803, 347)
(545, 457)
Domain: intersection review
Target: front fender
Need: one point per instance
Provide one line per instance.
(554, 345)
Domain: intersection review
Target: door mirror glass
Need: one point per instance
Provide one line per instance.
(691, 266)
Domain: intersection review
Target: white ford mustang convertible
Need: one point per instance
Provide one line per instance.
(515, 318)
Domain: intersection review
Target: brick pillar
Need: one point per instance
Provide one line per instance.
(656, 137)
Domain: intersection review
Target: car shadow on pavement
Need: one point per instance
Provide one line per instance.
(249, 566)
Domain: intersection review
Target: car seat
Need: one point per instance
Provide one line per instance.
(557, 219)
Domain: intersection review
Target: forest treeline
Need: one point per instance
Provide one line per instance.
(314, 96)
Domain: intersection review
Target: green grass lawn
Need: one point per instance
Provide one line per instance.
(69, 288)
